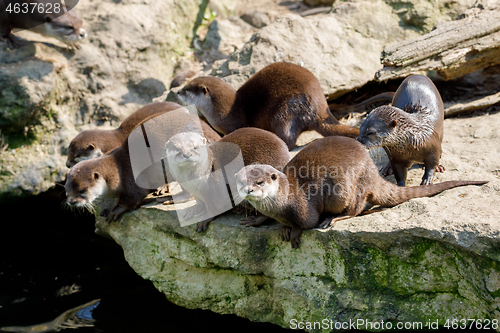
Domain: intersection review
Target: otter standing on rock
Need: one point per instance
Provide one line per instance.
(411, 130)
(191, 162)
(49, 18)
(283, 98)
(331, 176)
(112, 175)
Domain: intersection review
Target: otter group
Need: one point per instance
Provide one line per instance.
(263, 119)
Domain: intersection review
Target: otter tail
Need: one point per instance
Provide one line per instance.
(386, 96)
(392, 195)
(331, 126)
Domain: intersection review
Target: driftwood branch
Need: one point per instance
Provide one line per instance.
(453, 49)
(452, 109)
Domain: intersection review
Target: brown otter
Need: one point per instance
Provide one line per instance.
(283, 98)
(192, 162)
(411, 130)
(50, 18)
(112, 175)
(94, 143)
(331, 176)
(182, 77)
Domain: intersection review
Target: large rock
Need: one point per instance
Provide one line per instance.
(342, 49)
(426, 261)
(49, 93)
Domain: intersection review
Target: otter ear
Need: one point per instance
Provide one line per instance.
(393, 123)
(204, 140)
(91, 146)
(96, 176)
(204, 90)
(274, 176)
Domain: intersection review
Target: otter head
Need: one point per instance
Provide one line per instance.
(376, 128)
(196, 92)
(84, 184)
(258, 183)
(187, 150)
(67, 27)
(82, 148)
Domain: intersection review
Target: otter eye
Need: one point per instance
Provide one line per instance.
(260, 182)
(196, 147)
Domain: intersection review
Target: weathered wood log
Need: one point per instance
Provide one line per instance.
(453, 49)
(452, 109)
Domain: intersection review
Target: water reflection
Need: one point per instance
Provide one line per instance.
(80, 316)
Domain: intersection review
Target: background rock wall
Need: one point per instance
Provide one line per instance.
(49, 93)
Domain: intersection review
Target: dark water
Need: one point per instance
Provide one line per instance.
(51, 262)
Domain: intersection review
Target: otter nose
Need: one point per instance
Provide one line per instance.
(82, 33)
(248, 189)
(187, 155)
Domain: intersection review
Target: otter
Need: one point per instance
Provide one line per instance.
(182, 77)
(328, 180)
(112, 176)
(411, 130)
(94, 143)
(49, 21)
(192, 162)
(283, 98)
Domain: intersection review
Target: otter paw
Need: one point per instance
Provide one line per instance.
(104, 212)
(285, 233)
(387, 170)
(165, 200)
(203, 225)
(426, 181)
(295, 237)
(254, 221)
(115, 214)
(238, 210)
(325, 223)
(295, 241)
(440, 168)
(161, 190)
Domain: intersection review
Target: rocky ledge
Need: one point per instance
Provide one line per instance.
(426, 261)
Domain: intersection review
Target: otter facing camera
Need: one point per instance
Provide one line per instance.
(146, 147)
(28, 14)
(203, 170)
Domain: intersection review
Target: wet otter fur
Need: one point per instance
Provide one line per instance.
(282, 98)
(330, 179)
(411, 130)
